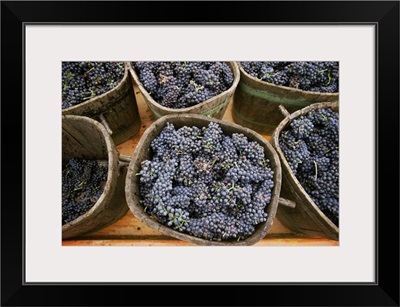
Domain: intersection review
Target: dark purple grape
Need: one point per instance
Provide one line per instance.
(311, 147)
(82, 81)
(180, 85)
(205, 183)
(315, 76)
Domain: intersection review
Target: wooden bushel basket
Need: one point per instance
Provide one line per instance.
(214, 107)
(256, 103)
(306, 217)
(85, 138)
(143, 152)
(116, 109)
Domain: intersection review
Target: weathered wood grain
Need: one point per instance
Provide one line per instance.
(86, 138)
(166, 241)
(306, 217)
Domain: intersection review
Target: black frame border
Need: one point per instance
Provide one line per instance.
(16, 14)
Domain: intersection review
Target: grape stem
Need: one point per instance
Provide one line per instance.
(329, 78)
(316, 169)
(86, 73)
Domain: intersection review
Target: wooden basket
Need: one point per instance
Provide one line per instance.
(214, 107)
(116, 109)
(256, 103)
(306, 217)
(143, 152)
(85, 138)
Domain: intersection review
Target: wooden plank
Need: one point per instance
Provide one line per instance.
(130, 226)
(165, 241)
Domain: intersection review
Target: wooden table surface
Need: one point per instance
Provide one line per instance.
(129, 231)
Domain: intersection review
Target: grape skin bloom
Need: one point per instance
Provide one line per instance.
(83, 183)
(82, 81)
(204, 183)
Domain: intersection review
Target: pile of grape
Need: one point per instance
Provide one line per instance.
(310, 145)
(82, 184)
(308, 76)
(179, 85)
(84, 80)
(207, 184)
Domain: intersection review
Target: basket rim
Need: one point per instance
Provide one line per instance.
(284, 163)
(287, 88)
(148, 97)
(137, 209)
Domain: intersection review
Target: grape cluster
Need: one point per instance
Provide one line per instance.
(311, 147)
(84, 80)
(308, 76)
(207, 184)
(82, 184)
(179, 85)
